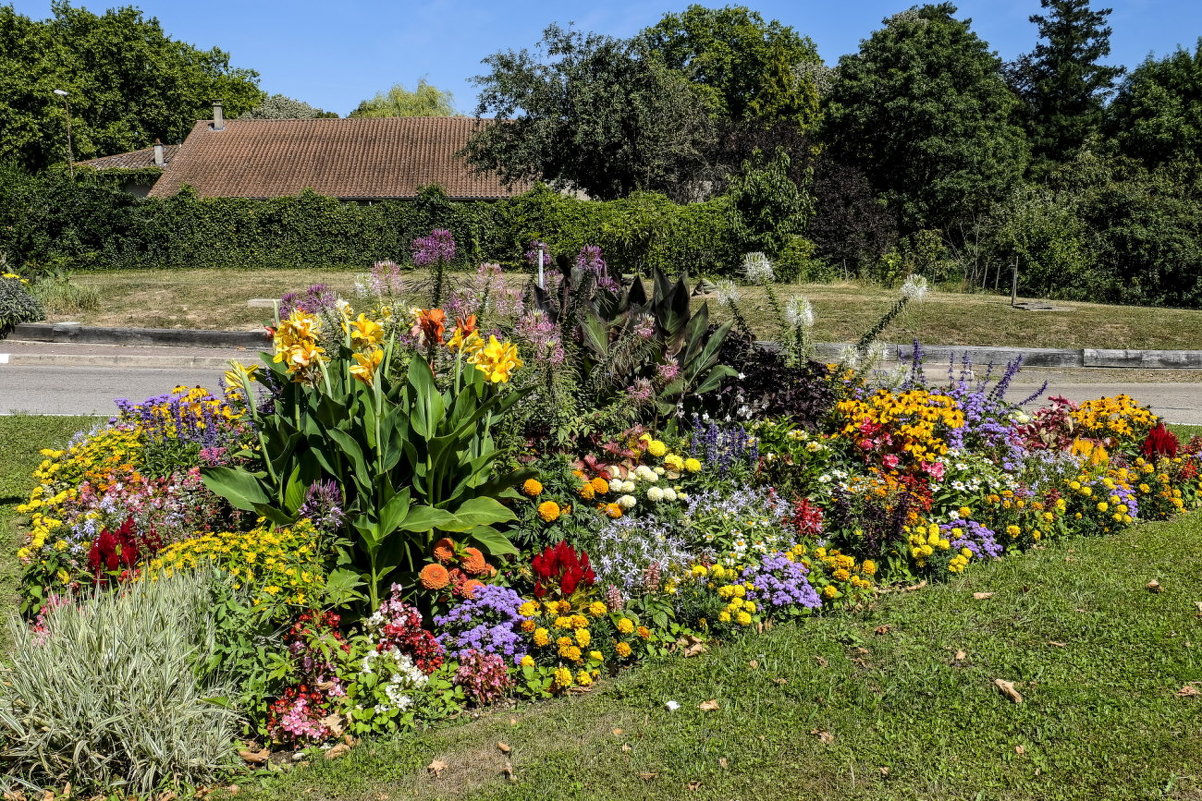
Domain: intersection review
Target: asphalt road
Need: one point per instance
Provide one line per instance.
(54, 389)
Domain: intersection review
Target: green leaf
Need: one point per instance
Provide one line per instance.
(243, 489)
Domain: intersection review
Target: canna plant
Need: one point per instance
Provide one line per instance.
(412, 460)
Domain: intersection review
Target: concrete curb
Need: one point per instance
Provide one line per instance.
(120, 360)
(179, 337)
(74, 333)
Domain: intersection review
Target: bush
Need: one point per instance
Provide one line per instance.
(17, 305)
(106, 694)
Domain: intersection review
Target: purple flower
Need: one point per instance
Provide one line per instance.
(780, 582)
(438, 247)
(589, 261)
(488, 622)
(974, 536)
(314, 300)
(323, 505)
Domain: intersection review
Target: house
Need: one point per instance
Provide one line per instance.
(360, 159)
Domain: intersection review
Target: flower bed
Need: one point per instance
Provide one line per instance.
(405, 513)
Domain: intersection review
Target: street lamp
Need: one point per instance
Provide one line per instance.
(70, 151)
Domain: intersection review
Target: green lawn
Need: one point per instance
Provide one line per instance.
(217, 299)
(877, 704)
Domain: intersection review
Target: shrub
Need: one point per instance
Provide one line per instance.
(106, 694)
(16, 305)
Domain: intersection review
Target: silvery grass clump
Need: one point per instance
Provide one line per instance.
(108, 696)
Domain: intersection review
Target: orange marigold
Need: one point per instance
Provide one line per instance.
(473, 561)
(444, 549)
(643, 632)
(434, 577)
(600, 485)
(548, 511)
(586, 492)
(613, 510)
(532, 487)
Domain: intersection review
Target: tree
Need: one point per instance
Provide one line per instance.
(592, 113)
(128, 84)
(1156, 116)
(424, 101)
(851, 227)
(753, 70)
(282, 107)
(922, 110)
(1061, 83)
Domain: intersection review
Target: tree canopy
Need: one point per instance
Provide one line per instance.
(282, 107)
(752, 69)
(128, 84)
(592, 113)
(1156, 116)
(424, 101)
(1061, 82)
(923, 111)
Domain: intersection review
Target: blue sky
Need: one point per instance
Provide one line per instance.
(334, 54)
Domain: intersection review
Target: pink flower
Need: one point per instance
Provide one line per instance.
(890, 461)
(934, 470)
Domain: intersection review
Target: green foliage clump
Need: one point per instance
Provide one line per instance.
(112, 693)
(424, 101)
(17, 306)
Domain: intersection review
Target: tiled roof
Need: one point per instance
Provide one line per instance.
(134, 160)
(360, 158)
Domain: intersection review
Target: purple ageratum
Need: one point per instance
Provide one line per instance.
(171, 416)
(488, 622)
(780, 582)
(438, 247)
(974, 536)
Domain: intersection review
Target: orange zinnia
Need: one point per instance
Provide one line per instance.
(444, 549)
(469, 587)
(473, 561)
(434, 577)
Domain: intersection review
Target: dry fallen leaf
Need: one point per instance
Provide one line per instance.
(780, 681)
(254, 757)
(821, 660)
(233, 789)
(437, 767)
(860, 651)
(1199, 605)
(959, 659)
(1189, 691)
(1056, 644)
(504, 748)
(508, 773)
(723, 762)
(693, 785)
(337, 751)
(618, 732)
(335, 723)
(881, 630)
(647, 776)
(626, 748)
(981, 596)
(513, 721)
(1007, 689)
(1018, 749)
(708, 706)
(1153, 586)
(823, 736)
(754, 664)
(885, 771)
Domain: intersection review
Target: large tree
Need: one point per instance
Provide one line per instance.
(753, 70)
(922, 110)
(128, 84)
(424, 101)
(592, 113)
(1061, 82)
(1156, 116)
(282, 107)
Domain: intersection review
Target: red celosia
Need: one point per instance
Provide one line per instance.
(117, 552)
(806, 519)
(561, 567)
(1160, 442)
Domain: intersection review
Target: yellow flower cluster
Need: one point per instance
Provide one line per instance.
(917, 417)
(279, 565)
(1118, 418)
(295, 344)
(831, 569)
(927, 540)
(579, 640)
(738, 608)
(496, 360)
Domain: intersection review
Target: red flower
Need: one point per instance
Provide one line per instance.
(117, 552)
(564, 566)
(1160, 442)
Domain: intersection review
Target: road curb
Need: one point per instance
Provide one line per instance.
(119, 360)
(74, 333)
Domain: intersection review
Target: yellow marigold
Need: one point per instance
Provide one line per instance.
(563, 677)
(868, 567)
(497, 360)
(548, 511)
(528, 609)
(527, 661)
(625, 625)
(583, 638)
(623, 649)
(532, 487)
(612, 510)
(674, 462)
(528, 626)
(743, 619)
(542, 637)
(596, 656)
(587, 492)
(643, 632)
(597, 609)
(656, 448)
(573, 653)
(583, 678)
(692, 465)
(829, 591)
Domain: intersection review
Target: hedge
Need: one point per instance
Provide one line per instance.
(89, 224)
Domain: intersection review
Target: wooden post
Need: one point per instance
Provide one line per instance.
(540, 267)
(1014, 284)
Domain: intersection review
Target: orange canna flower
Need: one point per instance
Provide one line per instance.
(434, 577)
(431, 325)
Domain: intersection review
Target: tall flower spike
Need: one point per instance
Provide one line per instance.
(915, 288)
(757, 268)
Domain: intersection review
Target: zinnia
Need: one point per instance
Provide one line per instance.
(434, 577)
(444, 549)
(473, 561)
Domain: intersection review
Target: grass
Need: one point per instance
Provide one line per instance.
(876, 704)
(217, 299)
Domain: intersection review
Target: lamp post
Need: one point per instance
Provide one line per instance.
(70, 150)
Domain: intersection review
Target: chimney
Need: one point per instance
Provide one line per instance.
(159, 160)
(218, 116)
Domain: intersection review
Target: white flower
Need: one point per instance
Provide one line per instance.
(1022, 418)
(644, 472)
(627, 502)
(669, 493)
(799, 313)
(727, 292)
(659, 471)
(655, 494)
(757, 269)
(915, 288)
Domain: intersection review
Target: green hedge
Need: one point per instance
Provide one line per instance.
(89, 224)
